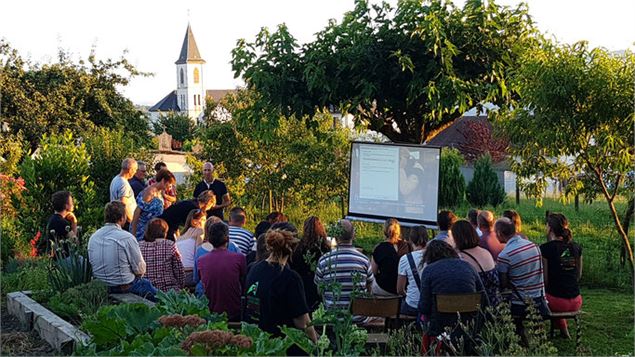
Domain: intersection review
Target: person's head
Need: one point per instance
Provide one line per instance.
(485, 220)
(141, 170)
(558, 227)
(208, 224)
(285, 226)
(128, 168)
(392, 231)
(156, 229)
(446, 219)
(515, 218)
(314, 234)
(418, 236)
(437, 250)
(159, 166)
(196, 218)
(464, 235)
(208, 171)
(262, 228)
(261, 247)
(62, 201)
(347, 232)
(237, 217)
(115, 212)
(217, 234)
(165, 179)
(206, 200)
(280, 244)
(472, 216)
(505, 229)
(275, 217)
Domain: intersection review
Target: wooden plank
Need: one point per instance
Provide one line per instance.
(131, 299)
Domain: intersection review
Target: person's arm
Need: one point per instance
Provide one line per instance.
(303, 323)
(545, 271)
(578, 268)
(135, 259)
(135, 220)
(504, 279)
(373, 266)
(401, 284)
(70, 217)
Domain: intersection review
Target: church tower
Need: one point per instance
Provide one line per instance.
(190, 92)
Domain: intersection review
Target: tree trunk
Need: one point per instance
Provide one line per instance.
(622, 233)
(627, 223)
(270, 201)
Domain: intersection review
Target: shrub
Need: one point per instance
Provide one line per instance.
(484, 188)
(107, 148)
(28, 275)
(452, 188)
(61, 164)
(78, 301)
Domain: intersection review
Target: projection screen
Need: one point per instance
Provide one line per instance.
(394, 180)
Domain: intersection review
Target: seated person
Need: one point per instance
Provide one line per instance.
(176, 214)
(445, 273)
(191, 237)
(61, 227)
(562, 262)
(115, 255)
(275, 293)
(238, 235)
(520, 269)
(339, 266)
(205, 248)
(410, 268)
(480, 259)
(489, 239)
(222, 274)
(445, 220)
(164, 266)
(385, 260)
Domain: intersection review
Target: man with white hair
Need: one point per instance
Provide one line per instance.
(218, 187)
(120, 189)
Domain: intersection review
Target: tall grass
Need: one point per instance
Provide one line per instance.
(592, 227)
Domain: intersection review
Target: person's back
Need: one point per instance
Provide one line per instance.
(522, 262)
(108, 250)
(347, 267)
(242, 238)
(176, 214)
(446, 276)
(490, 242)
(222, 274)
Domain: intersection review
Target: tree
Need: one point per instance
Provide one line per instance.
(574, 122)
(51, 98)
(406, 72)
(452, 187)
(479, 140)
(180, 126)
(485, 188)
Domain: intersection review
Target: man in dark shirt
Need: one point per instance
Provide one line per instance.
(220, 190)
(138, 181)
(176, 215)
(62, 225)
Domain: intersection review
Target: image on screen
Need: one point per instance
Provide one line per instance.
(394, 180)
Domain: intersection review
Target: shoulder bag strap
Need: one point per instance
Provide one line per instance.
(474, 259)
(415, 272)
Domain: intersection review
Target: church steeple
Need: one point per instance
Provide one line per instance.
(189, 50)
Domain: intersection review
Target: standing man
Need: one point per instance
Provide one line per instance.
(138, 181)
(219, 188)
(120, 189)
(62, 225)
(169, 195)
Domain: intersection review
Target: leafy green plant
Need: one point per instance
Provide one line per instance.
(79, 301)
(452, 182)
(71, 271)
(31, 275)
(485, 188)
(182, 303)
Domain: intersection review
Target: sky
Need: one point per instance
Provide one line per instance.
(152, 32)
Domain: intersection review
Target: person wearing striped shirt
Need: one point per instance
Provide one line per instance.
(520, 268)
(238, 235)
(343, 271)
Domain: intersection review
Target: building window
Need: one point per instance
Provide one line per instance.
(182, 77)
(196, 75)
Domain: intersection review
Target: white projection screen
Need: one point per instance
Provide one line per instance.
(394, 180)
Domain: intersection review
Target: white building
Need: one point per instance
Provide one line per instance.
(190, 93)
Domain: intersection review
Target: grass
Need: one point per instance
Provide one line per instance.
(607, 325)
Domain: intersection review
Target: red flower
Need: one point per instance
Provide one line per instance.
(34, 242)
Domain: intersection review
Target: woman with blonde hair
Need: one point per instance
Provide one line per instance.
(385, 259)
(191, 237)
(275, 293)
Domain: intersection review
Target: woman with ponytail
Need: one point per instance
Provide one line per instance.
(562, 262)
(385, 259)
(275, 293)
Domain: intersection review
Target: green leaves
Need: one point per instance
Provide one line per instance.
(182, 303)
(452, 182)
(485, 189)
